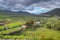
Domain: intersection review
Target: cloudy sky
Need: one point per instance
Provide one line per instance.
(32, 6)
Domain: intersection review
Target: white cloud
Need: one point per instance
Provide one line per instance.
(37, 10)
(48, 4)
(42, 3)
(24, 5)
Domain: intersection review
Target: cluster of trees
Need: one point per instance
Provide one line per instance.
(53, 23)
(31, 24)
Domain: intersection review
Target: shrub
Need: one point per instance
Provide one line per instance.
(53, 23)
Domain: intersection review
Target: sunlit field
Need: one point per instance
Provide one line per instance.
(48, 29)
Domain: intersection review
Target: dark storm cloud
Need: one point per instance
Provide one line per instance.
(16, 4)
(21, 4)
(48, 4)
(24, 2)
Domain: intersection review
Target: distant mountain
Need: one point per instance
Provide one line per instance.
(54, 12)
(20, 14)
(12, 12)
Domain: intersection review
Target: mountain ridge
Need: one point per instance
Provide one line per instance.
(54, 12)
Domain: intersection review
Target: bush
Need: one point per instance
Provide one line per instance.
(53, 23)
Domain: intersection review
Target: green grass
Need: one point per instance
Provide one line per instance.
(15, 24)
(12, 25)
(1, 27)
(43, 33)
(10, 30)
(38, 34)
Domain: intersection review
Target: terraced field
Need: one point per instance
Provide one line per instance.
(12, 27)
(44, 32)
(38, 34)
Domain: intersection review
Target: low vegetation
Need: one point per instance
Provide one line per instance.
(48, 29)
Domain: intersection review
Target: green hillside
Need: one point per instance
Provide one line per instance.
(4, 14)
(48, 29)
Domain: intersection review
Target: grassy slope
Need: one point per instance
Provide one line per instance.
(30, 34)
(38, 34)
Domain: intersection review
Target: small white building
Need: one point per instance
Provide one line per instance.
(37, 23)
(24, 26)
